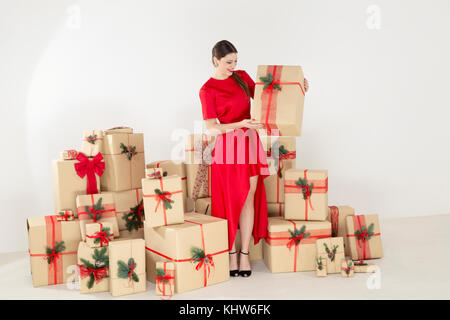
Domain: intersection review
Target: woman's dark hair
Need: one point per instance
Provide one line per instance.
(220, 50)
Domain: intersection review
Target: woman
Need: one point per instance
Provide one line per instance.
(237, 186)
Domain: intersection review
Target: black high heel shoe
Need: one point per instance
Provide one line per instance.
(233, 273)
(245, 273)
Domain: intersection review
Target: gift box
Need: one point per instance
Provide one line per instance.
(321, 267)
(364, 238)
(255, 251)
(290, 246)
(69, 155)
(118, 130)
(65, 215)
(198, 248)
(198, 181)
(75, 177)
(364, 267)
(95, 208)
(163, 200)
(337, 216)
(306, 195)
(275, 209)
(92, 142)
(99, 234)
(332, 251)
(203, 206)
(53, 248)
(195, 147)
(127, 267)
(125, 161)
(93, 267)
(165, 278)
(278, 99)
(171, 168)
(347, 268)
(129, 209)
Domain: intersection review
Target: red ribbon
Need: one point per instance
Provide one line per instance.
(90, 168)
(334, 216)
(102, 235)
(361, 240)
(98, 273)
(165, 279)
(67, 214)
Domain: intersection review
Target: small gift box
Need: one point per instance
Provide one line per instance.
(99, 234)
(321, 267)
(92, 142)
(69, 155)
(93, 267)
(364, 237)
(337, 215)
(165, 278)
(118, 130)
(364, 267)
(332, 251)
(203, 206)
(65, 215)
(347, 268)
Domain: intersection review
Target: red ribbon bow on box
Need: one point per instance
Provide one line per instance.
(102, 235)
(90, 168)
(99, 273)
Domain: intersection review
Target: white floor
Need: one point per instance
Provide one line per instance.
(415, 266)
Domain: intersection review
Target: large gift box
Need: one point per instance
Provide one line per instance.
(275, 209)
(99, 234)
(198, 248)
(203, 206)
(127, 267)
(93, 267)
(255, 251)
(337, 216)
(332, 251)
(290, 246)
(171, 168)
(279, 97)
(163, 200)
(125, 161)
(93, 208)
(74, 177)
(306, 195)
(92, 142)
(364, 238)
(129, 209)
(165, 278)
(53, 249)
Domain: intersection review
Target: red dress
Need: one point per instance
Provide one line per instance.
(237, 155)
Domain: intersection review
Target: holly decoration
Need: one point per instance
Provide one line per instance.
(306, 188)
(268, 80)
(167, 201)
(96, 211)
(91, 138)
(129, 151)
(331, 253)
(101, 260)
(349, 268)
(132, 219)
(297, 234)
(365, 234)
(319, 263)
(108, 234)
(52, 253)
(126, 271)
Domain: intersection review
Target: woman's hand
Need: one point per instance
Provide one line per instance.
(306, 84)
(248, 123)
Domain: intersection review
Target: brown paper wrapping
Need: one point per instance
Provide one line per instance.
(92, 142)
(364, 267)
(156, 214)
(123, 250)
(124, 202)
(133, 234)
(191, 173)
(171, 168)
(275, 209)
(108, 216)
(194, 144)
(322, 271)
(118, 130)
(85, 252)
(279, 258)
(203, 206)
(347, 268)
(120, 173)
(296, 207)
(286, 107)
(93, 228)
(40, 234)
(364, 250)
(255, 252)
(337, 216)
(165, 283)
(333, 262)
(67, 185)
(68, 155)
(174, 244)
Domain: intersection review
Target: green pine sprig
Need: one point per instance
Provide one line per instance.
(268, 80)
(97, 207)
(108, 233)
(91, 139)
(298, 232)
(132, 220)
(331, 253)
(128, 151)
(367, 236)
(160, 274)
(167, 202)
(125, 269)
(101, 260)
(59, 247)
(304, 183)
(319, 263)
(197, 255)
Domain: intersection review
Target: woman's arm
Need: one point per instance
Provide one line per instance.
(214, 127)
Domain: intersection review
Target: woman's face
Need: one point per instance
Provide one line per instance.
(227, 64)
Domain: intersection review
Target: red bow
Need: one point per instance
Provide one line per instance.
(207, 262)
(292, 240)
(52, 256)
(99, 273)
(102, 235)
(164, 197)
(95, 212)
(273, 83)
(89, 168)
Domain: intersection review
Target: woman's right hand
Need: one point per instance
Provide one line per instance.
(248, 123)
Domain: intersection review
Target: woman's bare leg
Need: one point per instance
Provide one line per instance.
(233, 257)
(246, 221)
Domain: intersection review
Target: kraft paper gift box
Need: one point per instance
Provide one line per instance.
(306, 194)
(203, 206)
(198, 248)
(364, 267)
(53, 249)
(129, 209)
(321, 267)
(364, 238)
(65, 215)
(93, 267)
(92, 142)
(171, 168)
(337, 216)
(347, 268)
(125, 161)
(118, 130)
(198, 181)
(279, 98)
(133, 234)
(93, 208)
(195, 145)
(75, 177)
(255, 251)
(127, 267)
(290, 246)
(99, 234)
(275, 209)
(165, 278)
(163, 200)
(69, 155)
(332, 251)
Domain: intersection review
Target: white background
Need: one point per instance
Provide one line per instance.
(376, 114)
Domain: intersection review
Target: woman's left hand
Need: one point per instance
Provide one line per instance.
(306, 85)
